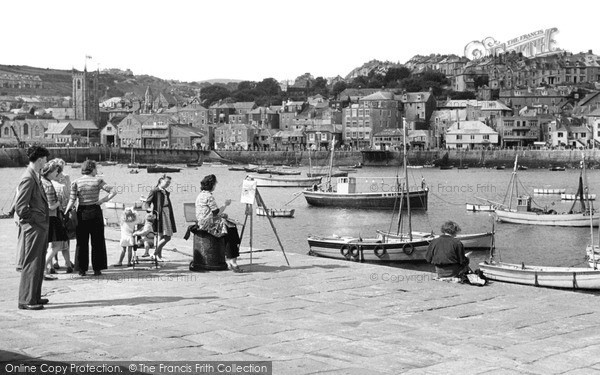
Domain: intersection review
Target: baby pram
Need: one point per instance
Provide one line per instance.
(139, 242)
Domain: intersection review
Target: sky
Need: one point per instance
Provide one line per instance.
(194, 40)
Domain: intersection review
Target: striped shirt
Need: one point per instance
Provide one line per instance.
(50, 194)
(86, 189)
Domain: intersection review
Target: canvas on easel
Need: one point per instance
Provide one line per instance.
(249, 195)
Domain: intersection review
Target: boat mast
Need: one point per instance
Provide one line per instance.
(331, 162)
(512, 182)
(406, 181)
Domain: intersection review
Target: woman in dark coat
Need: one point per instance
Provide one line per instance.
(160, 203)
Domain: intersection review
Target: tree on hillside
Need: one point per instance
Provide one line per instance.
(320, 87)
(269, 87)
(338, 88)
(213, 94)
(394, 75)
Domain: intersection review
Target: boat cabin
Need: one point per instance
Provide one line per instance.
(346, 185)
(524, 203)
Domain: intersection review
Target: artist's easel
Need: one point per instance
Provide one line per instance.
(249, 213)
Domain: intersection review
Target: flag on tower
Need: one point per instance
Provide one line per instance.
(88, 56)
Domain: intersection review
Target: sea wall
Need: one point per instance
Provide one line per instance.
(13, 157)
(487, 158)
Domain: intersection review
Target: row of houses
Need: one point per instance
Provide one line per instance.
(359, 118)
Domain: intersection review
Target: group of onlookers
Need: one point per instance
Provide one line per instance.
(50, 210)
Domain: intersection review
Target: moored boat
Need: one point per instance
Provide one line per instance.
(345, 196)
(274, 212)
(574, 197)
(555, 169)
(525, 214)
(553, 277)
(474, 207)
(161, 169)
(285, 181)
(471, 241)
(370, 250)
(549, 191)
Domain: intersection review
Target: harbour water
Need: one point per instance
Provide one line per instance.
(449, 191)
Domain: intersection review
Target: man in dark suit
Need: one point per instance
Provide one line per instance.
(31, 206)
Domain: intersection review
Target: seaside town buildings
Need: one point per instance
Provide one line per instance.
(551, 100)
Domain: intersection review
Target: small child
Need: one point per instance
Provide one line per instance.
(147, 233)
(127, 228)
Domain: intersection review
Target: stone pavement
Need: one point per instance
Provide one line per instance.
(317, 316)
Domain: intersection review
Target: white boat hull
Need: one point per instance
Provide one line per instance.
(260, 211)
(549, 191)
(480, 207)
(282, 181)
(471, 241)
(574, 197)
(552, 277)
(533, 218)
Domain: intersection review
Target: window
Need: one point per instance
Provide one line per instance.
(582, 135)
(311, 136)
(25, 129)
(6, 131)
(559, 134)
(486, 136)
(458, 136)
(472, 136)
(78, 84)
(324, 136)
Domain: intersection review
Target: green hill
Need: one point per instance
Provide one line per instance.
(113, 82)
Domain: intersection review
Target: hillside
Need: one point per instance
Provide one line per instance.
(112, 83)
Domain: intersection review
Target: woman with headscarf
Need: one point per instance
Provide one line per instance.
(212, 220)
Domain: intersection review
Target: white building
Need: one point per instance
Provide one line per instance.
(470, 135)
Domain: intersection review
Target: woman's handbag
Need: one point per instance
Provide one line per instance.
(70, 223)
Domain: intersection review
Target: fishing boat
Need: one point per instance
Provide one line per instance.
(346, 196)
(525, 214)
(193, 165)
(285, 181)
(557, 169)
(379, 249)
(446, 167)
(501, 167)
(387, 196)
(522, 168)
(273, 212)
(475, 207)
(161, 169)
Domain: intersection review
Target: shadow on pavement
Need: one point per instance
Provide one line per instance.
(144, 300)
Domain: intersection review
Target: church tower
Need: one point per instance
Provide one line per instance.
(86, 101)
(148, 100)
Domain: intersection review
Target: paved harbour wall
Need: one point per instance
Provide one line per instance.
(13, 157)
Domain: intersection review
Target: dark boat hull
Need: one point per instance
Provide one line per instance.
(380, 201)
(367, 250)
